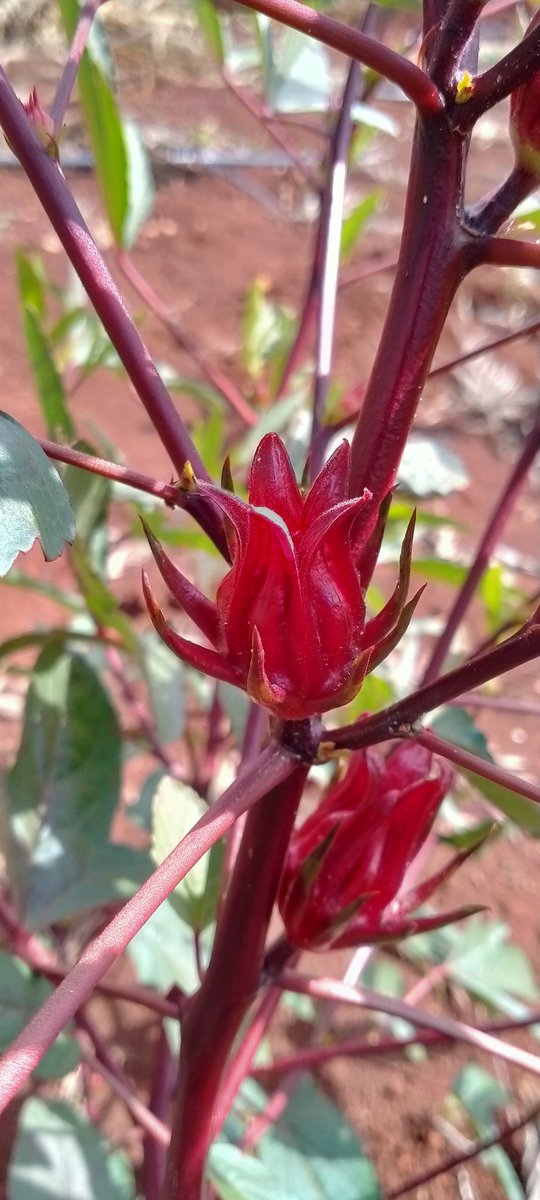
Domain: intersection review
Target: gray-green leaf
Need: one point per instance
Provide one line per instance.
(33, 499)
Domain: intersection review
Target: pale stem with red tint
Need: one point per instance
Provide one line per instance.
(272, 767)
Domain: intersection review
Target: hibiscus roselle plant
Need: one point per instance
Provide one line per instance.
(292, 626)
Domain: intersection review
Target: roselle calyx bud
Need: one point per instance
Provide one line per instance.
(346, 864)
(289, 622)
(525, 117)
(43, 123)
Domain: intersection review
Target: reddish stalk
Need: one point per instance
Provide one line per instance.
(508, 252)
(170, 493)
(141, 1115)
(503, 340)
(412, 81)
(56, 199)
(334, 990)
(272, 767)
(254, 106)
(159, 1103)
(493, 531)
(496, 83)
(498, 704)
(317, 1056)
(458, 1160)
(69, 74)
(471, 762)
(432, 262)
(215, 1013)
(400, 718)
(241, 1064)
(223, 386)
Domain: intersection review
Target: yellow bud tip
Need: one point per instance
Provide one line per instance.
(464, 87)
(187, 481)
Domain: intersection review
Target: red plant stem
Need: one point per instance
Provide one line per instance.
(26, 946)
(54, 195)
(493, 531)
(329, 238)
(412, 81)
(492, 210)
(333, 989)
(458, 1160)
(215, 377)
(170, 493)
(69, 74)
(317, 1056)
(141, 1114)
(116, 666)
(160, 1098)
(498, 704)
(508, 252)
(450, 42)
(501, 79)
(432, 261)
(272, 1111)
(272, 767)
(241, 1064)
(471, 762)
(386, 262)
(214, 1014)
(401, 717)
(253, 105)
(503, 340)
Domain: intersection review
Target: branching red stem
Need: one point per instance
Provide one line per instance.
(401, 717)
(471, 762)
(360, 46)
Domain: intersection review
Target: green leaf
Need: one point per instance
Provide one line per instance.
(456, 725)
(48, 381)
(59, 1153)
(32, 283)
(121, 163)
(429, 468)
(314, 1154)
(33, 500)
(518, 808)
(354, 225)
(238, 1176)
(47, 378)
(21, 994)
(176, 808)
(297, 71)
(64, 786)
(268, 330)
(443, 570)
(210, 26)
(481, 958)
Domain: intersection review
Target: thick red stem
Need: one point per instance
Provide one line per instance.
(213, 1017)
(431, 264)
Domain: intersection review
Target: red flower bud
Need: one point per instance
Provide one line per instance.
(289, 623)
(525, 117)
(42, 122)
(346, 864)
